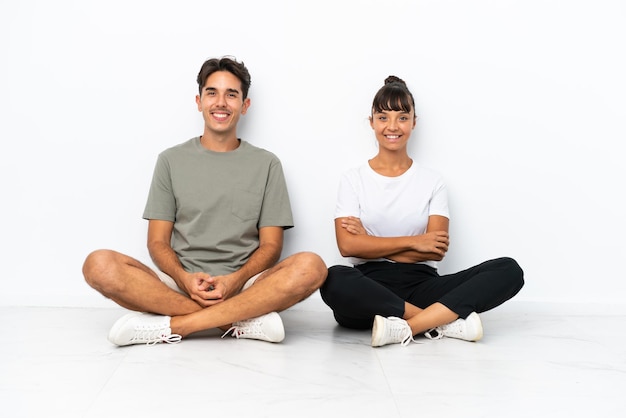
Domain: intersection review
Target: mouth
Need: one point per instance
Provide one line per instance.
(392, 138)
(220, 116)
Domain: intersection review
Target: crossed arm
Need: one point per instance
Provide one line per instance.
(353, 241)
(203, 288)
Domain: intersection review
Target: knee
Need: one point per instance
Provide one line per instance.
(337, 283)
(310, 268)
(338, 270)
(98, 269)
(335, 275)
(515, 274)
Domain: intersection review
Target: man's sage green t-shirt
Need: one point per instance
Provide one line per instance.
(217, 202)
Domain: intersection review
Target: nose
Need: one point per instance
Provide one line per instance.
(221, 100)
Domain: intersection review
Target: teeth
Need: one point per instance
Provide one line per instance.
(220, 116)
(393, 136)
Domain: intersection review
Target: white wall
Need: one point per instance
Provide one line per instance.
(521, 107)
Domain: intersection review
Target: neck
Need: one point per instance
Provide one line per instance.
(391, 164)
(219, 143)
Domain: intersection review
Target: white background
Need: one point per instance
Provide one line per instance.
(522, 108)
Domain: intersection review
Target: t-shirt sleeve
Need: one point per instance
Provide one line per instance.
(161, 203)
(439, 200)
(276, 208)
(347, 197)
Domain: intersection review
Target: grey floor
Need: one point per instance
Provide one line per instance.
(536, 360)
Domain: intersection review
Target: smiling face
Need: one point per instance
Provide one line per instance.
(393, 128)
(221, 103)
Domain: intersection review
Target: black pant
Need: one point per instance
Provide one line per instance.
(357, 294)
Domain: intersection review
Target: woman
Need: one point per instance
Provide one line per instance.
(392, 219)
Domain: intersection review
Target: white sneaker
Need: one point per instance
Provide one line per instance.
(142, 328)
(268, 327)
(390, 330)
(468, 329)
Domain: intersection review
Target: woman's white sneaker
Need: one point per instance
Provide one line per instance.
(142, 328)
(390, 331)
(468, 329)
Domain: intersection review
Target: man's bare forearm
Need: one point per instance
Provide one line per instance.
(264, 257)
(167, 261)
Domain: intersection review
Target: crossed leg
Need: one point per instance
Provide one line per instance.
(133, 285)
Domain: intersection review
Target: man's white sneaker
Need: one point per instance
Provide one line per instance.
(390, 330)
(468, 329)
(142, 328)
(268, 327)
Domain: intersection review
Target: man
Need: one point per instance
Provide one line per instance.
(217, 209)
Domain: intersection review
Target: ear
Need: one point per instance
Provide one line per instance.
(198, 103)
(371, 118)
(246, 105)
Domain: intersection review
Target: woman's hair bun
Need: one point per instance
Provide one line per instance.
(394, 79)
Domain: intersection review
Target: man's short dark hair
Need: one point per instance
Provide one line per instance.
(230, 64)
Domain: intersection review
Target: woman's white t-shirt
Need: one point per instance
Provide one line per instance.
(392, 206)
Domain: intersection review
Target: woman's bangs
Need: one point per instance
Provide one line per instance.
(393, 100)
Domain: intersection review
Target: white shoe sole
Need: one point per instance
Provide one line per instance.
(379, 323)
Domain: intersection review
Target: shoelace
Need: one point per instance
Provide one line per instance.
(170, 339)
(407, 340)
(248, 328)
(400, 331)
(153, 336)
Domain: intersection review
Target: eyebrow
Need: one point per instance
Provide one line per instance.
(227, 90)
